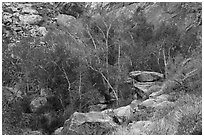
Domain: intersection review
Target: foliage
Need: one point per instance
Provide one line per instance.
(174, 119)
(14, 119)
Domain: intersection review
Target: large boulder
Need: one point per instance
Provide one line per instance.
(65, 20)
(145, 82)
(58, 131)
(27, 9)
(146, 76)
(155, 102)
(30, 19)
(123, 114)
(88, 123)
(37, 103)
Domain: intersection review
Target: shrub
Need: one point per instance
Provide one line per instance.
(183, 118)
(191, 108)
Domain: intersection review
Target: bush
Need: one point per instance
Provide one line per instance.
(183, 118)
(191, 108)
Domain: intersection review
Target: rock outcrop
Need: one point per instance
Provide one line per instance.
(23, 20)
(146, 82)
(88, 123)
(146, 76)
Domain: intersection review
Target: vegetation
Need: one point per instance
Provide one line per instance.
(91, 59)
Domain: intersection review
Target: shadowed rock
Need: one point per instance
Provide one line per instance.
(78, 121)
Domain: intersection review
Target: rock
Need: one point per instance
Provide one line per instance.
(65, 20)
(147, 82)
(37, 103)
(148, 103)
(134, 104)
(163, 97)
(30, 132)
(42, 31)
(38, 31)
(124, 113)
(144, 86)
(30, 19)
(164, 104)
(167, 87)
(128, 11)
(58, 131)
(7, 17)
(146, 76)
(78, 121)
(157, 102)
(29, 10)
(108, 112)
(94, 108)
(140, 127)
(153, 89)
(153, 95)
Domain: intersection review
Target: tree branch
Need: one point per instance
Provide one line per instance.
(91, 38)
(116, 96)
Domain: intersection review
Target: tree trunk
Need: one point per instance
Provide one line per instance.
(80, 80)
(119, 71)
(165, 64)
(107, 35)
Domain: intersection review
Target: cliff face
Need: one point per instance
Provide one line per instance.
(184, 15)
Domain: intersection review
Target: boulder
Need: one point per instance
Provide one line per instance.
(30, 132)
(164, 104)
(145, 86)
(7, 17)
(163, 97)
(30, 19)
(123, 113)
(146, 76)
(140, 127)
(154, 102)
(167, 87)
(147, 103)
(65, 20)
(37, 103)
(38, 31)
(87, 123)
(58, 131)
(134, 105)
(27, 9)
(153, 89)
(146, 82)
